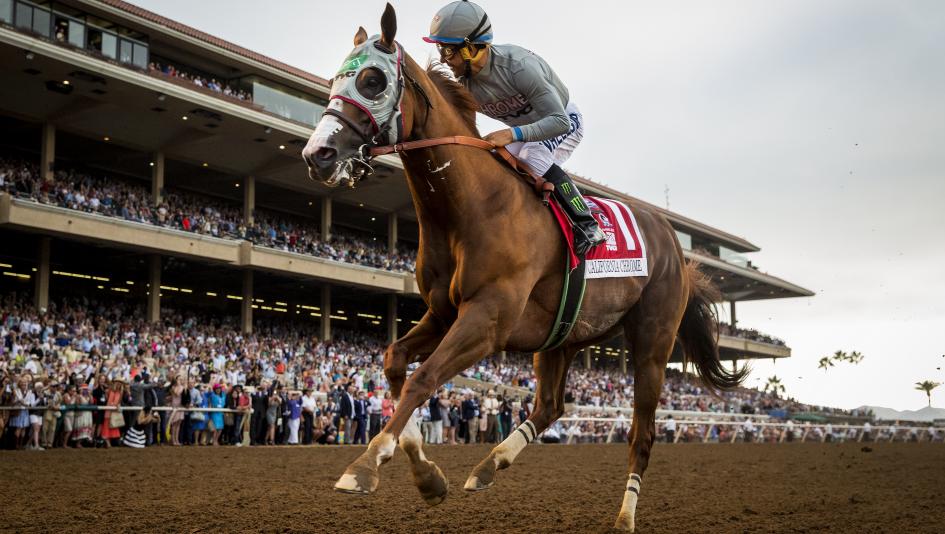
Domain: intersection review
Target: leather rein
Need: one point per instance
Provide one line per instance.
(541, 186)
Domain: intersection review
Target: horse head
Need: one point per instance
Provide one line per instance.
(365, 108)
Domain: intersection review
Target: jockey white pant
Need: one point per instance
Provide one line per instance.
(539, 155)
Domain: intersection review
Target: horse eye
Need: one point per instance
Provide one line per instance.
(371, 82)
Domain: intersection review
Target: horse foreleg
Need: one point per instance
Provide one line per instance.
(551, 370)
(470, 338)
(650, 359)
(416, 345)
(362, 475)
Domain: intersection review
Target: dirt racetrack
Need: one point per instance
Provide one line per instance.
(897, 487)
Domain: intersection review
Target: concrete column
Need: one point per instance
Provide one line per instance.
(157, 178)
(622, 347)
(249, 200)
(502, 356)
(41, 293)
(391, 318)
(325, 331)
(587, 358)
(326, 218)
(391, 232)
(246, 305)
(48, 152)
(731, 307)
(154, 295)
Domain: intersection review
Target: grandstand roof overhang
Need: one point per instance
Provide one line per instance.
(741, 283)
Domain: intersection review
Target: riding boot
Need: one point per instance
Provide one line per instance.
(587, 233)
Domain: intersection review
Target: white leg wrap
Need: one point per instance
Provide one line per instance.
(626, 517)
(385, 446)
(506, 451)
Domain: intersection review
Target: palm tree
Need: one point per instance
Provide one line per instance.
(825, 363)
(839, 356)
(927, 386)
(774, 384)
(855, 357)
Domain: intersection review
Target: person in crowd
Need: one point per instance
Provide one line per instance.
(669, 429)
(505, 416)
(748, 430)
(375, 407)
(491, 408)
(387, 408)
(435, 429)
(51, 416)
(215, 421)
(470, 417)
(346, 413)
(309, 406)
(259, 428)
(135, 435)
(176, 392)
(453, 414)
(360, 419)
(69, 401)
(198, 418)
(295, 416)
(112, 424)
(274, 407)
(83, 432)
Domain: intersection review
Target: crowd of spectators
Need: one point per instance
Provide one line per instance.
(750, 333)
(93, 193)
(210, 83)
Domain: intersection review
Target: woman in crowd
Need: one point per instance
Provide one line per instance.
(36, 416)
(295, 416)
(217, 400)
(272, 414)
(198, 419)
(453, 418)
(23, 397)
(99, 398)
(69, 400)
(174, 393)
(135, 436)
(387, 408)
(113, 398)
(82, 431)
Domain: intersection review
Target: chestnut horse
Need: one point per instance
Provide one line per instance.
(489, 269)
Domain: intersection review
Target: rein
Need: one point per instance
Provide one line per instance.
(541, 186)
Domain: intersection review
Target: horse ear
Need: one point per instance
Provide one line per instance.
(360, 37)
(388, 26)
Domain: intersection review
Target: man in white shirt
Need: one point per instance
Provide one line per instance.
(308, 416)
(669, 429)
(748, 428)
(491, 407)
(374, 413)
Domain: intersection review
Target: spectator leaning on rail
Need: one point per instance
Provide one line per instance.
(517, 87)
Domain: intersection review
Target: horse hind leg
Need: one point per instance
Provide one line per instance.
(551, 370)
(652, 345)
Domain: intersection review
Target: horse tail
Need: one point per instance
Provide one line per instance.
(698, 333)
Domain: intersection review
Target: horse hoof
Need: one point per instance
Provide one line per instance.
(483, 475)
(625, 523)
(431, 482)
(474, 484)
(358, 479)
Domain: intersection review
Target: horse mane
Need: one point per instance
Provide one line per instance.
(455, 94)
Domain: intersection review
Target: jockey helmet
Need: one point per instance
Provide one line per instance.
(460, 23)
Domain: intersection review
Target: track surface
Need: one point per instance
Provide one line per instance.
(551, 488)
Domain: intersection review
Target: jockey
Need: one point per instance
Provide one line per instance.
(518, 88)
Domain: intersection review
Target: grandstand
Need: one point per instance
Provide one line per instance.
(152, 162)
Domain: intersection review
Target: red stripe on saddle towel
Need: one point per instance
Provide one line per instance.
(565, 224)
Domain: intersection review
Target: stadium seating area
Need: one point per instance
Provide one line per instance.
(94, 193)
(80, 350)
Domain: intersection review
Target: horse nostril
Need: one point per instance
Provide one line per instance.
(325, 156)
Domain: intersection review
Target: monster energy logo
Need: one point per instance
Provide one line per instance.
(353, 63)
(565, 188)
(578, 204)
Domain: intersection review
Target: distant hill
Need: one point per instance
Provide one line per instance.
(925, 415)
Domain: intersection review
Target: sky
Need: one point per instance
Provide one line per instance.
(816, 130)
